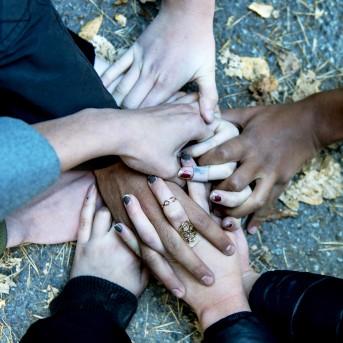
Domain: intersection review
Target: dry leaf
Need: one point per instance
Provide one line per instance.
(120, 2)
(90, 29)
(320, 179)
(52, 293)
(6, 283)
(306, 85)
(288, 62)
(104, 48)
(120, 19)
(262, 88)
(263, 10)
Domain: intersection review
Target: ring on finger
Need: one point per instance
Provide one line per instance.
(188, 233)
(168, 201)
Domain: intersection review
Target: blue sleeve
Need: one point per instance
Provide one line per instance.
(28, 164)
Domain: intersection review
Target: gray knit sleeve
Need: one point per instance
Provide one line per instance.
(28, 164)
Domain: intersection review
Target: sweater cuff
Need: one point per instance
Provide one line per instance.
(89, 293)
(29, 164)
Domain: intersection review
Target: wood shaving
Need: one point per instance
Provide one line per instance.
(249, 68)
(306, 85)
(288, 62)
(263, 88)
(320, 179)
(121, 19)
(263, 10)
(104, 48)
(91, 28)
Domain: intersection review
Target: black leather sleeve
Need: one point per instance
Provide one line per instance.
(241, 327)
(301, 307)
(88, 310)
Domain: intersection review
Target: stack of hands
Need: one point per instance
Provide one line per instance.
(214, 174)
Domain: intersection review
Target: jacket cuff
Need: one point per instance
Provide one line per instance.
(239, 327)
(89, 293)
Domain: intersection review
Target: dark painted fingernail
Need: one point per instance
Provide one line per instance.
(216, 197)
(185, 156)
(230, 250)
(118, 228)
(207, 280)
(126, 199)
(152, 179)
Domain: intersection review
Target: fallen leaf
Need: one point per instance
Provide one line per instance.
(320, 179)
(120, 2)
(288, 62)
(263, 10)
(120, 19)
(306, 85)
(91, 28)
(104, 48)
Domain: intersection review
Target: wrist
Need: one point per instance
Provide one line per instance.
(328, 116)
(197, 9)
(217, 310)
(249, 278)
(82, 136)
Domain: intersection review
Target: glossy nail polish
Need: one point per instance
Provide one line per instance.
(186, 173)
(185, 156)
(118, 228)
(152, 179)
(126, 199)
(216, 197)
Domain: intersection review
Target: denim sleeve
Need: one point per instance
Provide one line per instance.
(28, 164)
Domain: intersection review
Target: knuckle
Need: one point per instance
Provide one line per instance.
(175, 215)
(234, 184)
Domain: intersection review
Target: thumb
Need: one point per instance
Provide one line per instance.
(240, 116)
(208, 96)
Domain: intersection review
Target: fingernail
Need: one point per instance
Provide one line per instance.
(207, 280)
(227, 223)
(152, 179)
(126, 199)
(230, 250)
(177, 292)
(216, 197)
(118, 228)
(186, 173)
(185, 156)
(252, 230)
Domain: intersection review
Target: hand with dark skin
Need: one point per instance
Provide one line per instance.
(275, 142)
(116, 181)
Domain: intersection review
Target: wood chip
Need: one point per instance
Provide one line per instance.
(120, 19)
(288, 62)
(320, 179)
(306, 85)
(263, 10)
(91, 28)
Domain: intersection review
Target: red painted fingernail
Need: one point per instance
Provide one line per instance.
(186, 173)
(216, 197)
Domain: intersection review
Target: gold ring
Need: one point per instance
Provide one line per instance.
(188, 233)
(169, 201)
